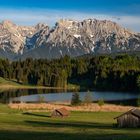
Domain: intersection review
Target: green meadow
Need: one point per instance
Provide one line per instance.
(20, 125)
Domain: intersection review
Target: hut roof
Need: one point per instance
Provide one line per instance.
(135, 112)
(63, 111)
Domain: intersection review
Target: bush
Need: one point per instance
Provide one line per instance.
(101, 102)
(88, 98)
(41, 99)
(75, 99)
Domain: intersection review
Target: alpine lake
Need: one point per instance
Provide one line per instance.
(60, 95)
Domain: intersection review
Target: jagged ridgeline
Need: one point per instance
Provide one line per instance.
(67, 37)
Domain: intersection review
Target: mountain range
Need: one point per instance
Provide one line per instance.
(67, 37)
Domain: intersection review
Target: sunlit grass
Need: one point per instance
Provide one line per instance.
(19, 125)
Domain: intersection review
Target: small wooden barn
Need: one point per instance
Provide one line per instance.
(62, 112)
(129, 119)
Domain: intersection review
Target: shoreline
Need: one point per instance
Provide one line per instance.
(47, 107)
(6, 87)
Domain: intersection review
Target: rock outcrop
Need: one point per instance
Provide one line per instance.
(68, 37)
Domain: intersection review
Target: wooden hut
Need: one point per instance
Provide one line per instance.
(129, 119)
(62, 112)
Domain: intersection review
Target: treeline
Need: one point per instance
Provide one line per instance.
(121, 73)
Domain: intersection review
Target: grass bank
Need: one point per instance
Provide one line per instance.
(11, 84)
(18, 125)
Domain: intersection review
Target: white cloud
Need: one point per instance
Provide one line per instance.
(33, 16)
(130, 22)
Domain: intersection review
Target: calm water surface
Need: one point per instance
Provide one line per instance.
(51, 95)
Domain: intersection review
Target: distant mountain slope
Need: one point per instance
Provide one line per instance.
(68, 37)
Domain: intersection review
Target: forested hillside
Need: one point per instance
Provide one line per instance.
(119, 73)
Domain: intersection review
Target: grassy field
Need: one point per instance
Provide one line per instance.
(19, 125)
(8, 82)
(12, 84)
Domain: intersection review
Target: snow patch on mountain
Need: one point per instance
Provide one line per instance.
(77, 36)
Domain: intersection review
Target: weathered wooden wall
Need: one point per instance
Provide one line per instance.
(128, 120)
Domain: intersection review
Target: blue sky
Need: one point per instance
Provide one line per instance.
(30, 12)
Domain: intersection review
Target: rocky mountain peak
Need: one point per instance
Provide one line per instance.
(13, 37)
(91, 36)
(66, 23)
(68, 37)
(40, 26)
(7, 23)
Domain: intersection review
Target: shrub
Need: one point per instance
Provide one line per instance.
(75, 99)
(101, 102)
(88, 98)
(41, 99)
